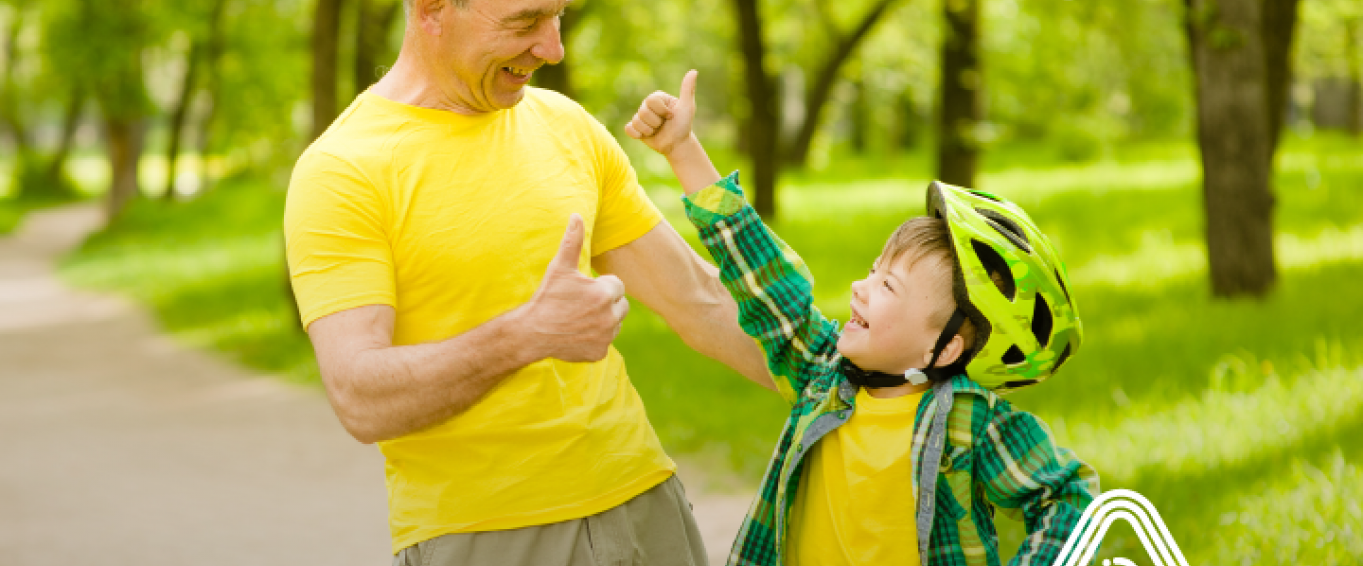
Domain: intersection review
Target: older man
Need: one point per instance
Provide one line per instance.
(457, 330)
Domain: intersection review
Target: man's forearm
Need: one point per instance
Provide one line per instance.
(388, 391)
(708, 323)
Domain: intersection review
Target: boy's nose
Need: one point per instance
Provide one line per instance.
(857, 290)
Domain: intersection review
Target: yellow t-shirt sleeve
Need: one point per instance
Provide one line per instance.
(338, 250)
(624, 212)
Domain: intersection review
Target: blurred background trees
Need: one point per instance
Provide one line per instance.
(172, 96)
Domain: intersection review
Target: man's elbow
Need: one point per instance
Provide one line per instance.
(362, 432)
(355, 416)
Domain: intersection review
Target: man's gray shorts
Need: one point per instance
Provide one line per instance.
(655, 528)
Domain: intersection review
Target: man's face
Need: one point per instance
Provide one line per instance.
(491, 47)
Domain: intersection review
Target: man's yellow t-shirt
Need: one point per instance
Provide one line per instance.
(855, 504)
(452, 220)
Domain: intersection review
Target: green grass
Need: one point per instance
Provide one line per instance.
(10, 215)
(1241, 419)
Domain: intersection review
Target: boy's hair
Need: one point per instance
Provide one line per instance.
(925, 238)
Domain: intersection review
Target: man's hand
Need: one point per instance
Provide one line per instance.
(664, 121)
(573, 317)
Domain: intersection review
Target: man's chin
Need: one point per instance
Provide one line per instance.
(506, 100)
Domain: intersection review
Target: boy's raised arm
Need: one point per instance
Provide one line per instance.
(767, 279)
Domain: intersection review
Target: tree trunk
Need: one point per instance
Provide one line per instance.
(1279, 23)
(763, 123)
(960, 108)
(860, 115)
(1235, 137)
(1353, 29)
(124, 137)
(816, 97)
(55, 174)
(8, 112)
(178, 114)
(213, 57)
(326, 32)
(375, 19)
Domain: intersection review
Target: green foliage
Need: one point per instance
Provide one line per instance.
(212, 269)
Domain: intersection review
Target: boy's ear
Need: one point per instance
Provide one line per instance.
(950, 353)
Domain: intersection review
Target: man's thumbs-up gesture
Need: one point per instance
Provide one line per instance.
(575, 317)
(663, 123)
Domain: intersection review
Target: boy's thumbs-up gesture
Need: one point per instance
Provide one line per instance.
(663, 123)
(575, 316)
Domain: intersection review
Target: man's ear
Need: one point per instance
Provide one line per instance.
(950, 353)
(429, 15)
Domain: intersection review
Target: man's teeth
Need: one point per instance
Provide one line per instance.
(518, 71)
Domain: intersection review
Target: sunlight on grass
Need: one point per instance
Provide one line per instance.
(1248, 409)
(1032, 185)
(1311, 516)
(154, 272)
(1159, 259)
(10, 215)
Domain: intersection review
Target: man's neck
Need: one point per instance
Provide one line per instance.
(408, 82)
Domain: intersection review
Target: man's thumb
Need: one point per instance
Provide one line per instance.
(570, 249)
(688, 88)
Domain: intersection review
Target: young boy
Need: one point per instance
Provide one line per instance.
(898, 448)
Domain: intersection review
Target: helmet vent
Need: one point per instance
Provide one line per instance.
(1014, 356)
(1064, 355)
(996, 267)
(1007, 227)
(1042, 321)
(1061, 280)
(984, 195)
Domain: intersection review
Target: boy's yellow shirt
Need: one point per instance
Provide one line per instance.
(452, 220)
(856, 506)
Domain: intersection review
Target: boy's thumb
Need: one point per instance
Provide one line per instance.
(688, 88)
(570, 249)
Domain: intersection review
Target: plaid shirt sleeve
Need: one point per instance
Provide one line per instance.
(1024, 472)
(770, 283)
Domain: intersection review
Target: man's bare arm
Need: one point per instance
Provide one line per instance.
(664, 273)
(381, 391)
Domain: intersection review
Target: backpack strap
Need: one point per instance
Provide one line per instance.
(943, 395)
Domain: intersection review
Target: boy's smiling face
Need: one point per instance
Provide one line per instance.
(898, 310)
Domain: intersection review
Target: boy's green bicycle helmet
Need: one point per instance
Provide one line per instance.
(1027, 324)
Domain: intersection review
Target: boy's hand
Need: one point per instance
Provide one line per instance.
(664, 121)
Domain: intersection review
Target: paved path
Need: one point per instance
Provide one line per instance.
(119, 446)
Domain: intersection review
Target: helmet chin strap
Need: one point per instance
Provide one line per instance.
(875, 379)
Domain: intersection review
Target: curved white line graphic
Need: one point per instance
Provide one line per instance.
(1135, 509)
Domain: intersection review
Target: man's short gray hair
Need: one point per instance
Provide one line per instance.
(407, 5)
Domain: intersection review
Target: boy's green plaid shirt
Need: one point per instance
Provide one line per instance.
(995, 457)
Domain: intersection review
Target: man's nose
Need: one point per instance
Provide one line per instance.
(549, 45)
